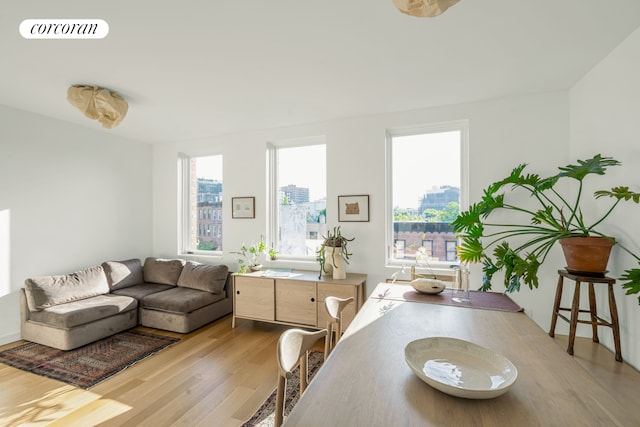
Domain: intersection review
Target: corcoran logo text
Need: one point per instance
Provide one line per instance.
(64, 29)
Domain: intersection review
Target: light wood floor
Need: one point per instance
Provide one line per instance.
(217, 376)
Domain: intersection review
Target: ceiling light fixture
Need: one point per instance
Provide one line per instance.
(424, 8)
(99, 104)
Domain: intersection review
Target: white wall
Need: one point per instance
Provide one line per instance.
(605, 112)
(70, 198)
(503, 133)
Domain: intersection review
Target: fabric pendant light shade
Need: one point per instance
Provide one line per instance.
(98, 104)
(424, 8)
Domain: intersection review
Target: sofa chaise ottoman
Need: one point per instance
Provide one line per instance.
(69, 311)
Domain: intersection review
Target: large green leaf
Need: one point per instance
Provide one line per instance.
(513, 178)
(470, 250)
(530, 271)
(517, 178)
(490, 202)
(632, 277)
(517, 270)
(545, 216)
(620, 193)
(469, 220)
(547, 183)
(489, 269)
(596, 165)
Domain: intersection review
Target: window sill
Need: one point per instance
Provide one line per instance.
(293, 263)
(203, 255)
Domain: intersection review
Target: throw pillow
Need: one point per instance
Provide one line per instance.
(122, 274)
(163, 271)
(204, 277)
(47, 291)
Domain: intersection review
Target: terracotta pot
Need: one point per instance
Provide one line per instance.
(587, 255)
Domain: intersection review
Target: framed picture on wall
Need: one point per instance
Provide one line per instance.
(243, 207)
(353, 208)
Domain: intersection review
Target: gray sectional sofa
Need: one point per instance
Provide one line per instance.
(69, 311)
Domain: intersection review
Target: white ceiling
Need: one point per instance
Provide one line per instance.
(201, 68)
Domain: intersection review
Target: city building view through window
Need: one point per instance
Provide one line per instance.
(301, 199)
(425, 187)
(206, 203)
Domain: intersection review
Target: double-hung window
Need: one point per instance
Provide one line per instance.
(201, 204)
(297, 196)
(426, 179)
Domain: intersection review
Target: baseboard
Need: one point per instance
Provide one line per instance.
(9, 338)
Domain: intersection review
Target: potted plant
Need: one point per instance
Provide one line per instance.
(250, 255)
(335, 246)
(519, 241)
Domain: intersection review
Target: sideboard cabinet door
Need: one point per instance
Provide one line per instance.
(296, 302)
(255, 298)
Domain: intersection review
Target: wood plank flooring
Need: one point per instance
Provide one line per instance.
(217, 376)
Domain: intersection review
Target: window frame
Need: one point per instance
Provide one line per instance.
(273, 190)
(184, 209)
(428, 245)
(447, 244)
(451, 126)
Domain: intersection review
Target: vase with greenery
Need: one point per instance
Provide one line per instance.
(514, 234)
(334, 244)
(250, 255)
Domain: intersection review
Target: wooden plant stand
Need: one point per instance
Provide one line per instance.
(575, 310)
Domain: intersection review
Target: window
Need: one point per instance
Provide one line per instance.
(451, 250)
(428, 245)
(298, 196)
(201, 194)
(425, 180)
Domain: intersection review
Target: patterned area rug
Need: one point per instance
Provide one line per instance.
(264, 416)
(88, 365)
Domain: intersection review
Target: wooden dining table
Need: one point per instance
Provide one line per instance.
(367, 382)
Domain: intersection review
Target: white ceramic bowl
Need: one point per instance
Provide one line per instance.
(428, 286)
(460, 368)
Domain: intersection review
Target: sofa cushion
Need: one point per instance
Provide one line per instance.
(209, 278)
(163, 271)
(85, 311)
(48, 291)
(180, 300)
(121, 274)
(142, 290)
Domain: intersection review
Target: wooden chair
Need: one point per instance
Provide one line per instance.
(334, 307)
(293, 348)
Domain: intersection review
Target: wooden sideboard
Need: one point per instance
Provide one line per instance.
(297, 299)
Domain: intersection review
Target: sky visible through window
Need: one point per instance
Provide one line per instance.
(305, 167)
(421, 162)
(209, 167)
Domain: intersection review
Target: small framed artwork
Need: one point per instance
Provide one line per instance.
(243, 207)
(353, 208)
